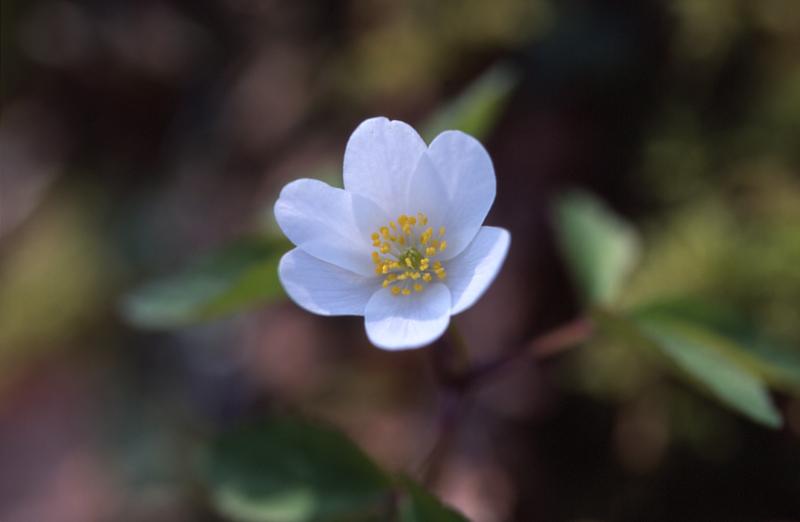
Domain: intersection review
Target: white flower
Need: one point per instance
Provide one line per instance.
(402, 244)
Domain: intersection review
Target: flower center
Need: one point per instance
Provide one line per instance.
(405, 252)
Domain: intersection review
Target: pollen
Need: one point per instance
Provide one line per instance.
(405, 254)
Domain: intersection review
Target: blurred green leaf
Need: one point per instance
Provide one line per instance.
(736, 337)
(236, 277)
(477, 109)
(417, 505)
(697, 355)
(600, 247)
(288, 470)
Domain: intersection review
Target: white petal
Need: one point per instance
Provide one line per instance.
(329, 223)
(408, 321)
(323, 288)
(471, 273)
(429, 192)
(467, 176)
(379, 160)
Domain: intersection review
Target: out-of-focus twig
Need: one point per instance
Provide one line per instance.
(455, 378)
(546, 345)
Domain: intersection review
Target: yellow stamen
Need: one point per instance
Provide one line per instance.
(411, 253)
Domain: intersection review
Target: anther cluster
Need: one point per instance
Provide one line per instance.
(406, 254)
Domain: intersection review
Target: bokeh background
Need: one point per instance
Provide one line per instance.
(136, 136)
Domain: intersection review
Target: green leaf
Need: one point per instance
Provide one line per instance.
(288, 470)
(736, 337)
(477, 109)
(601, 249)
(234, 278)
(697, 355)
(417, 505)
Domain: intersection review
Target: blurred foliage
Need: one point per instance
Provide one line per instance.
(697, 355)
(751, 237)
(234, 278)
(477, 109)
(732, 335)
(430, 37)
(54, 283)
(600, 248)
(417, 505)
(288, 470)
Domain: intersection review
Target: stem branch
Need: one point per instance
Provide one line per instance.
(455, 377)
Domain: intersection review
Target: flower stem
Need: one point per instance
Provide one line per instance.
(451, 412)
(451, 364)
(455, 377)
(548, 344)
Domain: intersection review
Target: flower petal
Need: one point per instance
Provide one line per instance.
(471, 273)
(323, 288)
(467, 177)
(412, 321)
(430, 193)
(329, 223)
(379, 160)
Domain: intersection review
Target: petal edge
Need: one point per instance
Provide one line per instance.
(323, 288)
(406, 322)
(471, 273)
(379, 160)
